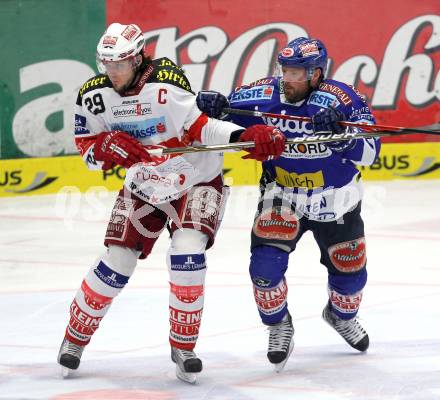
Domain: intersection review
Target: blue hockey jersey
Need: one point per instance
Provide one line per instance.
(322, 183)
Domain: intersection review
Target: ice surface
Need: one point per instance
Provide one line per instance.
(47, 244)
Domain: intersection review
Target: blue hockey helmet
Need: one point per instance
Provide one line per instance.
(306, 53)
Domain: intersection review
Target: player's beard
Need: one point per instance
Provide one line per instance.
(294, 94)
(122, 88)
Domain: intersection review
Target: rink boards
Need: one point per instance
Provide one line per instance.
(50, 175)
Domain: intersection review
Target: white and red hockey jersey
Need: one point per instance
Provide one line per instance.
(159, 110)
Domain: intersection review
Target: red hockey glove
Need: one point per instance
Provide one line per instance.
(269, 142)
(118, 147)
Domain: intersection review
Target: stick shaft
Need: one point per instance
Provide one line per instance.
(322, 138)
(369, 128)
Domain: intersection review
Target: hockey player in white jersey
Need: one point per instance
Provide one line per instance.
(137, 102)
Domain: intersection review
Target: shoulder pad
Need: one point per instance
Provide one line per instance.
(339, 90)
(362, 96)
(270, 80)
(252, 94)
(97, 82)
(165, 71)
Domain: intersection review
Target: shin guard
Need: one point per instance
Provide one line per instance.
(345, 293)
(101, 285)
(187, 278)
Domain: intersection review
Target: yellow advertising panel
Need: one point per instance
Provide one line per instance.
(405, 161)
(28, 176)
(48, 175)
(396, 161)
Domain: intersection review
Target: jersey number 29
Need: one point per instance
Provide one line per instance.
(95, 104)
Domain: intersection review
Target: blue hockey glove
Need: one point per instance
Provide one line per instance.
(326, 119)
(211, 103)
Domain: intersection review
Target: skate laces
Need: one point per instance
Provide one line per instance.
(280, 335)
(350, 329)
(71, 348)
(184, 354)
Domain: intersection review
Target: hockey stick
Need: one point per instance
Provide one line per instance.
(369, 128)
(321, 138)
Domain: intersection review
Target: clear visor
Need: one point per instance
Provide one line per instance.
(293, 74)
(105, 67)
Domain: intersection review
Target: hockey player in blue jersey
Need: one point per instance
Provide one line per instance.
(311, 187)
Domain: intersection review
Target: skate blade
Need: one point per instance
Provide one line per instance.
(66, 372)
(188, 377)
(279, 367)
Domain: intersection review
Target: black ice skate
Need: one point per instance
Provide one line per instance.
(351, 330)
(69, 356)
(187, 364)
(280, 342)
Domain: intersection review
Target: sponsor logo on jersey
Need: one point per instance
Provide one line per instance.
(263, 92)
(306, 150)
(145, 76)
(323, 99)
(265, 81)
(337, 91)
(361, 111)
(289, 126)
(308, 180)
(258, 82)
(131, 110)
(98, 81)
(166, 75)
(80, 125)
(362, 119)
(142, 129)
(166, 62)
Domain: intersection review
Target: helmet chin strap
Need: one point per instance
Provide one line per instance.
(310, 89)
(310, 72)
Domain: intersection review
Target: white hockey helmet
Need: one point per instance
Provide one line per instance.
(119, 42)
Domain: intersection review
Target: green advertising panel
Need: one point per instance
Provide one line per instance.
(48, 49)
